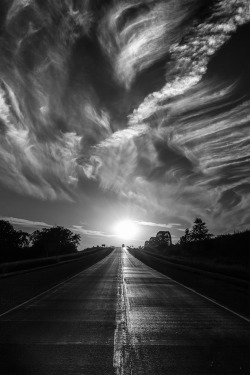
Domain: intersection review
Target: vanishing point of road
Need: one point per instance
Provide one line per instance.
(122, 317)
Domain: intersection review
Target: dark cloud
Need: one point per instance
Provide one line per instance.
(232, 61)
(230, 199)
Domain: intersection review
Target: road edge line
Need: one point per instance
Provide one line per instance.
(199, 294)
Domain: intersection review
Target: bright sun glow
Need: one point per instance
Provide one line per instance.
(125, 229)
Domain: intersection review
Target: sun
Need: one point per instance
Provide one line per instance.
(125, 229)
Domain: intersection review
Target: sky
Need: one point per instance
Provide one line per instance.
(114, 110)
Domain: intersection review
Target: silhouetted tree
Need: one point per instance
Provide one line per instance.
(199, 231)
(56, 240)
(186, 238)
(11, 241)
(8, 238)
(23, 239)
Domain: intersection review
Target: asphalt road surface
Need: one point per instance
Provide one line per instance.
(122, 317)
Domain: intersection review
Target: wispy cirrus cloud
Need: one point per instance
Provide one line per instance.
(195, 160)
(25, 223)
(92, 233)
(68, 90)
(150, 224)
(42, 137)
(189, 59)
(135, 35)
(189, 148)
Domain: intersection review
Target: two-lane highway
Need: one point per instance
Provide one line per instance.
(122, 317)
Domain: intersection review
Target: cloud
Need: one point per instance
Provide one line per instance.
(92, 233)
(45, 170)
(41, 143)
(196, 151)
(194, 147)
(148, 223)
(67, 86)
(189, 59)
(135, 35)
(54, 130)
(26, 223)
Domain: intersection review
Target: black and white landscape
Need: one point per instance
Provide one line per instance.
(124, 186)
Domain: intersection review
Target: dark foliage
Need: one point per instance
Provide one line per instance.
(228, 254)
(19, 245)
(23, 239)
(199, 232)
(56, 240)
(186, 238)
(234, 247)
(11, 241)
(8, 238)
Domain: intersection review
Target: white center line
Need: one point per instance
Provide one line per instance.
(121, 361)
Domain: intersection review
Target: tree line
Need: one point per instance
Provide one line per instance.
(20, 245)
(231, 248)
(199, 232)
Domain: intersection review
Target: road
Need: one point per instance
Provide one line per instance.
(122, 317)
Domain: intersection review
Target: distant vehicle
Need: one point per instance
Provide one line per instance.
(123, 245)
